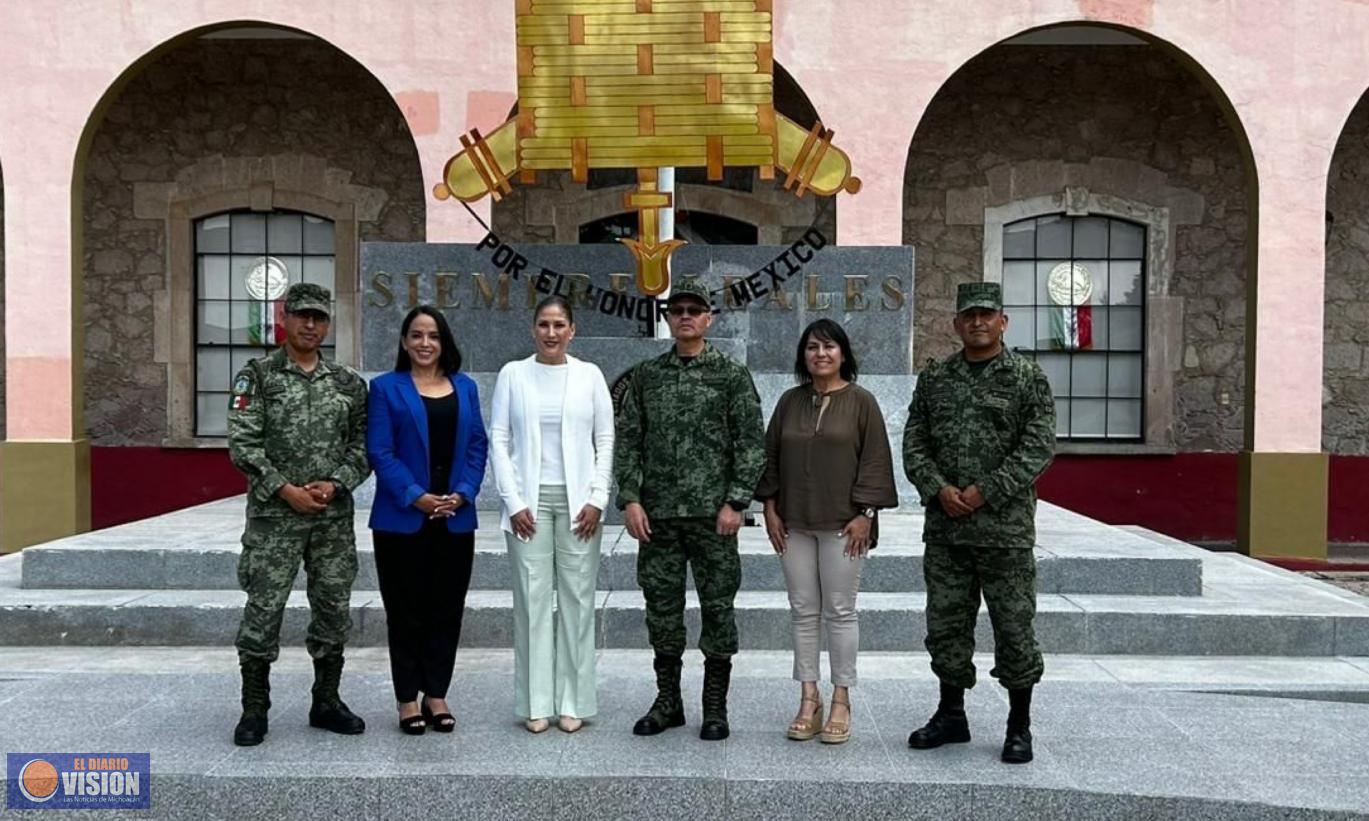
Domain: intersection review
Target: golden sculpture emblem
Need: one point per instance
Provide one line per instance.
(646, 84)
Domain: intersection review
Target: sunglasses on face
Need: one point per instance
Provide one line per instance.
(683, 310)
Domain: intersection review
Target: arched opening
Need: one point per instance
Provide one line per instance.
(1345, 375)
(1345, 413)
(1089, 120)
(554, 209)
(271, 131)
(1065, 139)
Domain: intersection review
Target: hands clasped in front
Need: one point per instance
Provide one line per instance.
(958, 503)
(309, 499)
(439, 507)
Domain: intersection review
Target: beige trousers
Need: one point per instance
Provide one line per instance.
(822, 584)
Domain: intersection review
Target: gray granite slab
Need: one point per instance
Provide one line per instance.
(889, 621)
(492, 768)
(847, 284)
(1352, 636)
(1159, 633)
(890, 568)
(858, 798)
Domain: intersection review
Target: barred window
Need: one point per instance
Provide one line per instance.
(244, 262)
(1074, 292)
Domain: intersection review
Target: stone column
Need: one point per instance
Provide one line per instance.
(1283, 470)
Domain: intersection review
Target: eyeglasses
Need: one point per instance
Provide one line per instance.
(682, 310)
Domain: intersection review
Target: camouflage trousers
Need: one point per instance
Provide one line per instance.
(272, 551)
(956, 575)
(717, 575)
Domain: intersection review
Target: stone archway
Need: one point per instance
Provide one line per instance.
(554, 209)
(1345, 401)
(1062, 116)
(1345, 347)
(238, 117)
(253, 119)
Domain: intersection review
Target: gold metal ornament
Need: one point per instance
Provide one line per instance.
(646, 84)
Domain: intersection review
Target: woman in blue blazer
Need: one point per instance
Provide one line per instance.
(426, 443)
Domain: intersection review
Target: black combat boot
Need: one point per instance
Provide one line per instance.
(947, 725)
(256, 701)
(1017, 746)
(668, 709)
(328, 712)
(717, 677)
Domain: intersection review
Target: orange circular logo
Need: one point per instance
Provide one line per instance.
(38, 780)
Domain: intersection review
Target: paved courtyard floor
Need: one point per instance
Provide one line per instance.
(1116, 737)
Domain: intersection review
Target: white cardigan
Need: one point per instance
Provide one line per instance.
(516, 437)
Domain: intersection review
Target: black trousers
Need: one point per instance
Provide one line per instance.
(423, 578)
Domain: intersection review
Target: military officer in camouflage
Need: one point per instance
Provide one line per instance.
(690, 450)
(981, 430)
(297, 429)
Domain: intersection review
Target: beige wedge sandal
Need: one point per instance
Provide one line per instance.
(838, 732)
(800, 730)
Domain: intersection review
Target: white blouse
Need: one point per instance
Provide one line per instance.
(550, 381)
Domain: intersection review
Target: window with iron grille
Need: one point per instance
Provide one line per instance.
(1074, 292)
(244, 262)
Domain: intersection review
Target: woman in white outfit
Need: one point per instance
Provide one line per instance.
(551, 444)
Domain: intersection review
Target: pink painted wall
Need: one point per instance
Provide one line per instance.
(1293, 72)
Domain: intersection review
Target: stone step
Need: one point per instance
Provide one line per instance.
(891, 568)
(1302, 623)
(1115, 737)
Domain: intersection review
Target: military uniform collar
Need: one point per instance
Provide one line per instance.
(281, 361)
(672, 357)
(1004, 359)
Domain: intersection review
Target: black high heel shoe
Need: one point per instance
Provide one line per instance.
(413, 725)
(441, 722)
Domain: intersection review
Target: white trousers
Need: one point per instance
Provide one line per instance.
(822, 584)
(553, 656)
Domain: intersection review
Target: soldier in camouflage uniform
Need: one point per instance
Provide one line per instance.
(981, 430)
(297, 429)
(690, 450)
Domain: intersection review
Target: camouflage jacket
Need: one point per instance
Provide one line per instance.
(689, 436)
(288, 426)
(994, 429)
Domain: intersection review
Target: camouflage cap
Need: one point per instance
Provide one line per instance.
(979, 295)
(306, 296)
(690, 288)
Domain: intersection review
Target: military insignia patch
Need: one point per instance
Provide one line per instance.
(242, 384)
(239, 402)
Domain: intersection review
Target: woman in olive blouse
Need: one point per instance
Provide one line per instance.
(828, 472)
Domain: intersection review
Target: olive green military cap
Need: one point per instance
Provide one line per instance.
(306, 296)
(689, 288)
(979, 295)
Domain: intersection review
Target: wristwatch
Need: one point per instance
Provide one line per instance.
(868, 512)
(740, 507)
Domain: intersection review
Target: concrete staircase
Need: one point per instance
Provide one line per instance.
(1102, 590)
